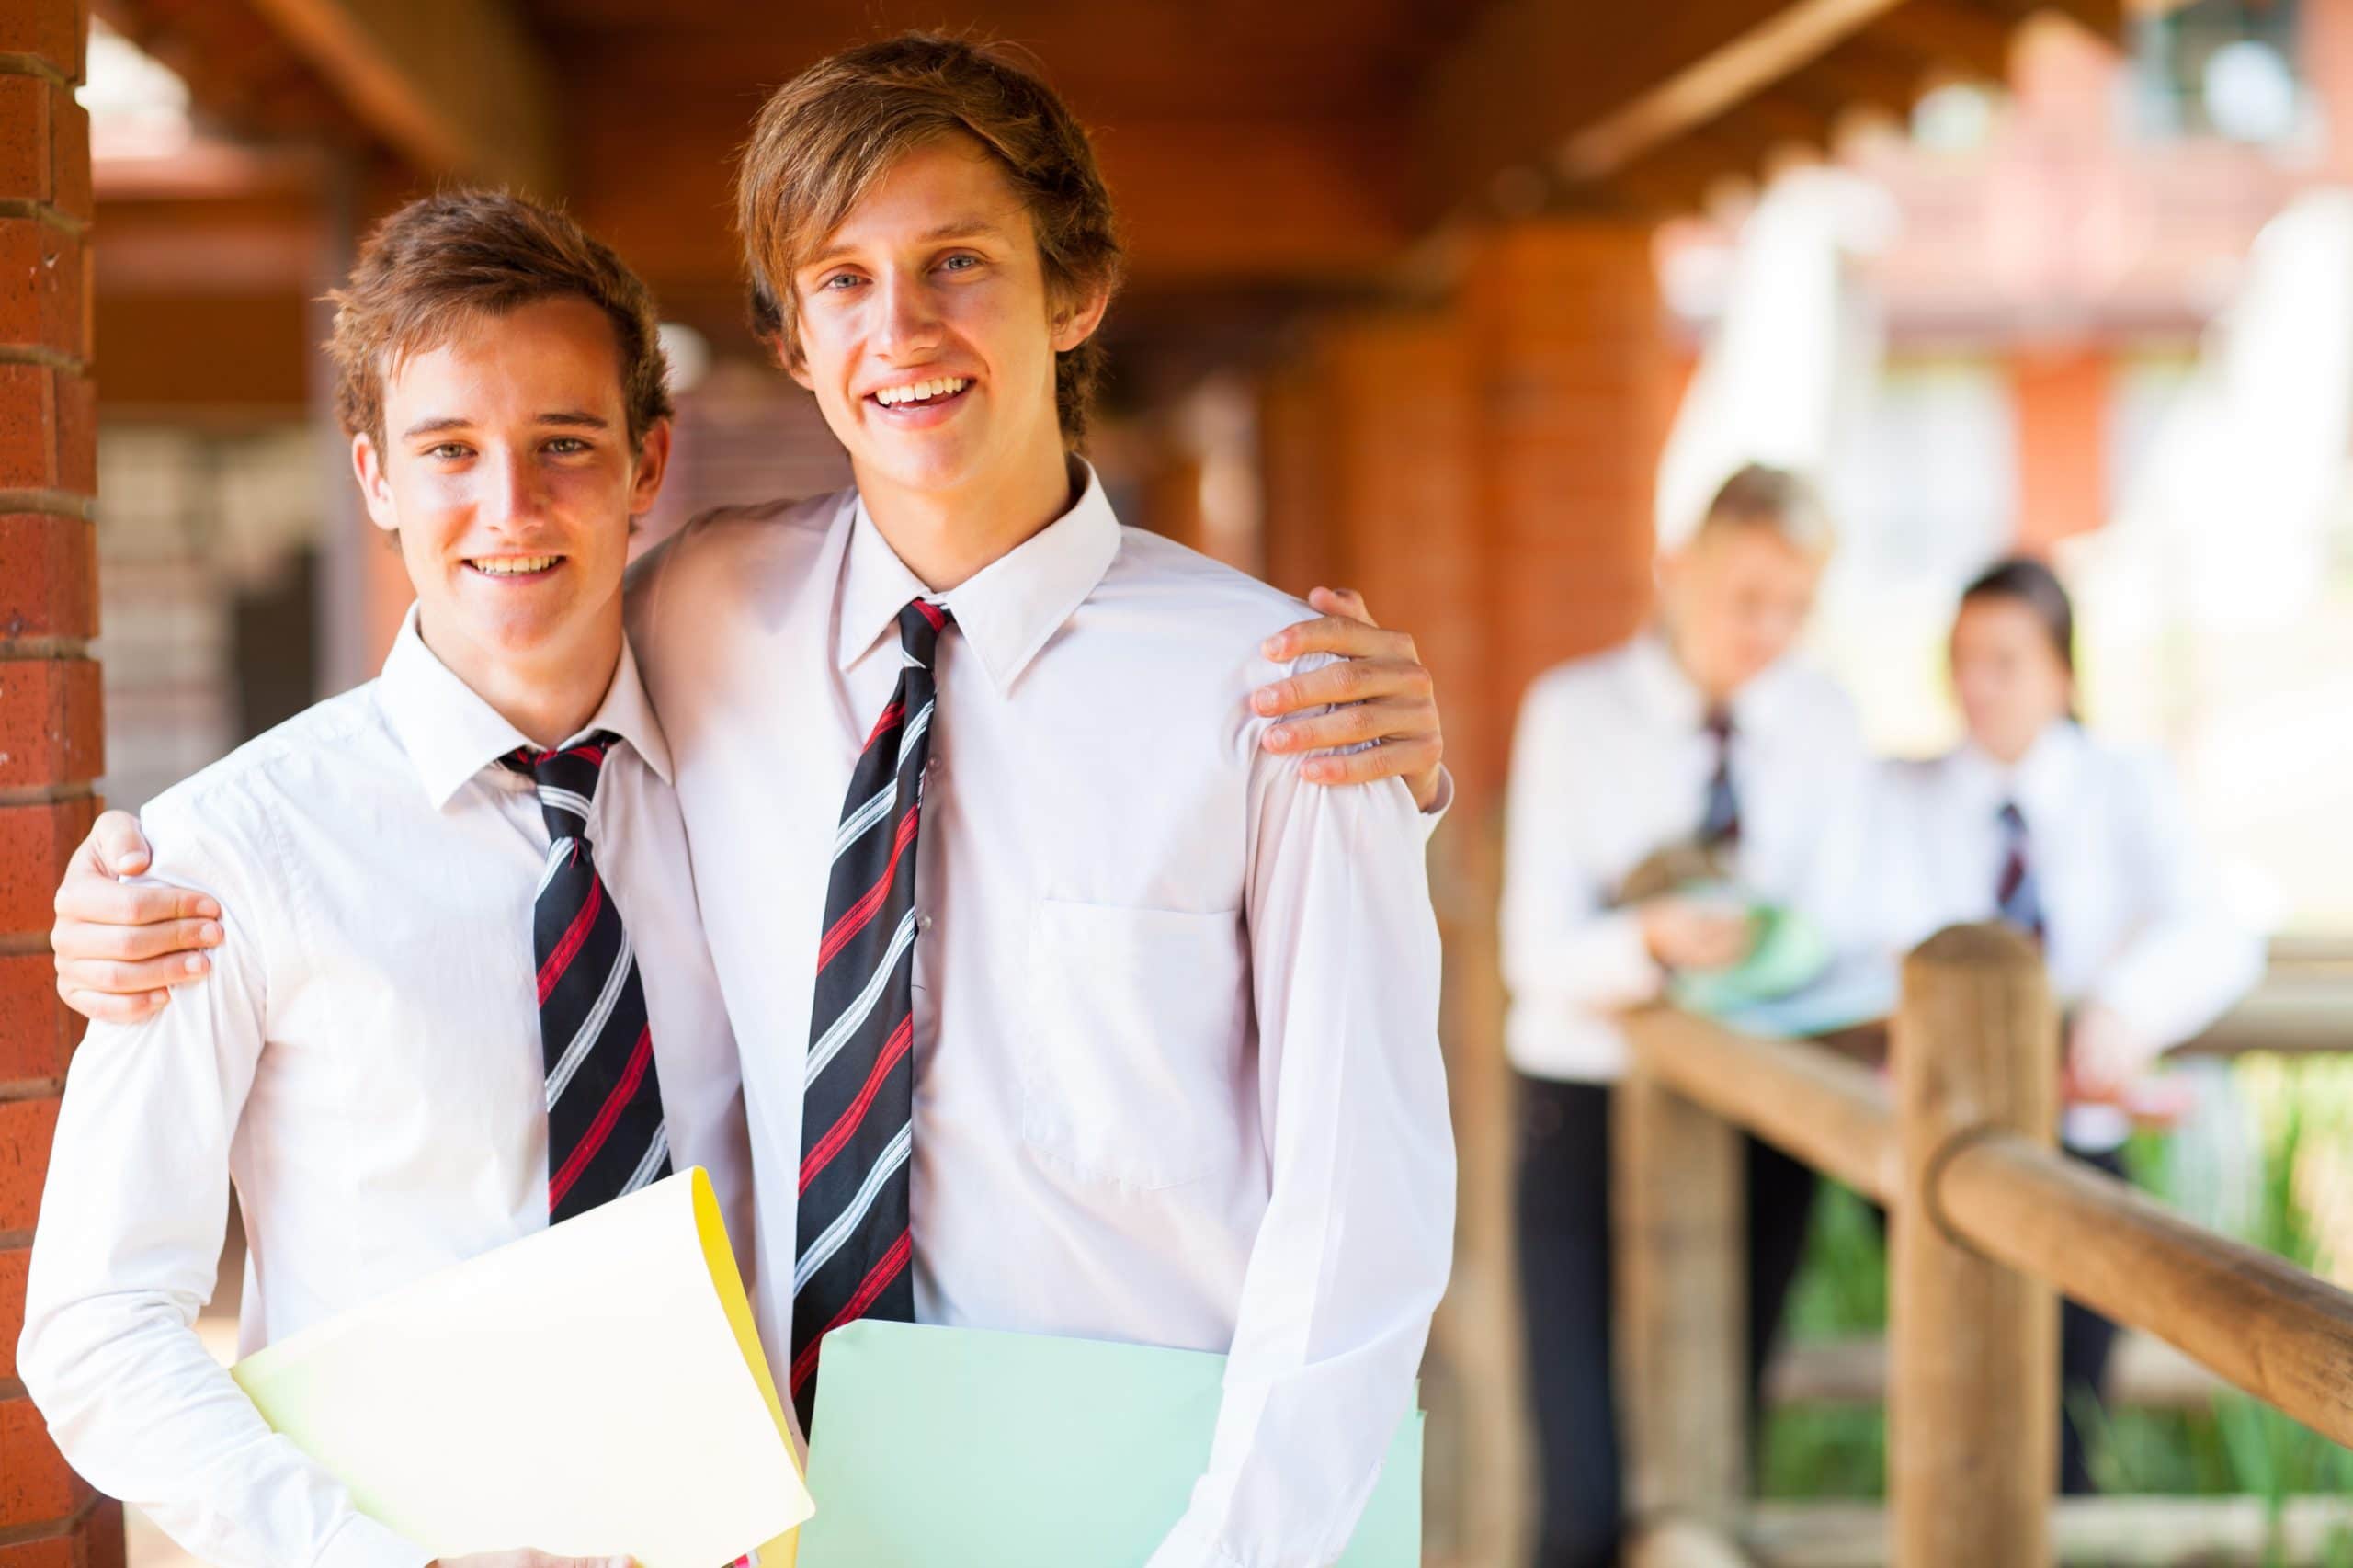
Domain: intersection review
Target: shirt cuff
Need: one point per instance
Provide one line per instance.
(361, 1542)
(1192, 1545)
(1436, 812)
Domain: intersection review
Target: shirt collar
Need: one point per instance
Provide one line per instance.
(2037, 783)
(1668, 691)
(1009, 609)
(451, 733)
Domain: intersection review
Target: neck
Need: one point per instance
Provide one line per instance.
(550, 695)
(1713, 694)
(946, 535)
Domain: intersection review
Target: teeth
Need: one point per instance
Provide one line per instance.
(516, 565)
(921, 392)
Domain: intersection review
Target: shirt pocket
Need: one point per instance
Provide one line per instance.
(1137, 1019)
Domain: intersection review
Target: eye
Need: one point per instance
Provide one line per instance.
(838, 282)
(448, 452)
(567, 446)
(962, 261)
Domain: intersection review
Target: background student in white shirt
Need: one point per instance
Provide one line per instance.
(372, 1059)
(1702, 735)
(1169, 1014)
(2086, 848)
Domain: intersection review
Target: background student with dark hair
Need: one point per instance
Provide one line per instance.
(2087, 848)
(1700, 741)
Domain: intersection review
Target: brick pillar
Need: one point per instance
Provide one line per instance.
(2062, 404)
(1484, 472)
(1576, 377)
(50, 726)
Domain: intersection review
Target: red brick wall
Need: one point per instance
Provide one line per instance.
(2062, 400)
(50, 745)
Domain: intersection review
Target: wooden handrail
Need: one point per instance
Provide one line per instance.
(2286, 1337)
(1959, 1149)
(1821, 1108)
(2256, 1320)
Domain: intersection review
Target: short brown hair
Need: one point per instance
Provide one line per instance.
(824, 138)
(441, 258)
(1760, 495)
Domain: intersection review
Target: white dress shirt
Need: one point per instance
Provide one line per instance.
(364, 1062)
(1177, 1075)
(1611, 762)
(2134, 917)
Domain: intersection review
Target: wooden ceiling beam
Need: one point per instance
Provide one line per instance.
(1966, 35)
(1592, 89)
(456, 88)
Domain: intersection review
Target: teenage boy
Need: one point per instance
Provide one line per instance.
(1147, 1050)
(1701, 741)
(1074, 1011)
(463, 991)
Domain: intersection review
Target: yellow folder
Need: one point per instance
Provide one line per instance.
(595, 1389)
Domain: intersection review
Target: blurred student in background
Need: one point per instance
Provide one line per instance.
(1699, 751)
(2086, 848)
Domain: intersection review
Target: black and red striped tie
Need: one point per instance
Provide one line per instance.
(606, 1135)
(857, 1098)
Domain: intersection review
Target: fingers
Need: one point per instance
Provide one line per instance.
(1377, 719)
(92, 896)
(119, 848)
(1353, 680)
(87, 939)
(1341, 601)
(120, 977)
(101, 1008)
(1392, 759)
(1340, 635)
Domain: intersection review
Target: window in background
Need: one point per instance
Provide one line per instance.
(2219, 68)
(204, 567)
(1924, 495)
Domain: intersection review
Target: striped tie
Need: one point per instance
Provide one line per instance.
(1719, 820)
(2015, 897)
(605, 1131)
(857, 1098)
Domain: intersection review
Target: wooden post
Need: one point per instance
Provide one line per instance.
(1682, 1306)
(1974, 1401)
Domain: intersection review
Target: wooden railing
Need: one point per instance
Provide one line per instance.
(1986, 1222)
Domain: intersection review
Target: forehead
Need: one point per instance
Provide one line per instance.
(560, 351)
(946, 185)
(1741, 546)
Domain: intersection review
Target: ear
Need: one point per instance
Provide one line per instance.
(375, 485)
(653, 464)
(1075, 325)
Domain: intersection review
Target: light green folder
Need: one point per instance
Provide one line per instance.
(1008, 1450)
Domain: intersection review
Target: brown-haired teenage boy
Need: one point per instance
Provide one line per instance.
(463, 991)
(1063, 1006)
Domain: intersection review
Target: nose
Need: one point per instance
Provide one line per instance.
(909, 324)
(513, 490)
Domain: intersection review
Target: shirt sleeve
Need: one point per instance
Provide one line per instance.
(1358, 1237)
(1436, 812)
(1557, 939)
(125, 1255)
(2188, 959)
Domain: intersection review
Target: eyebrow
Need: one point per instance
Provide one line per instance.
(571, 418)
(954, 229)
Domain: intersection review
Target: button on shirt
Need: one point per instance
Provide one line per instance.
(1612, 762)
(1177, 1077)
(2134, 917)
(364, 1060)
